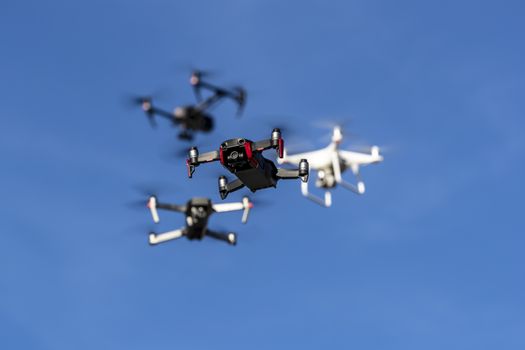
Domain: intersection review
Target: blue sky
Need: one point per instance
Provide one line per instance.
(430, 257)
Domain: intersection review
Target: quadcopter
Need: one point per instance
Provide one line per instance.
(197, 212)
(329, 163)
(194, 118)
(244, 159)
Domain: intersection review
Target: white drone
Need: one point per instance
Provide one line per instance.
(329, 163)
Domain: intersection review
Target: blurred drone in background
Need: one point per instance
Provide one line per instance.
(196, 117)
(330, 162)
(197, 212)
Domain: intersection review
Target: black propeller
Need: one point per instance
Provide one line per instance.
(240, 98)
(146, 103)
(196, 80)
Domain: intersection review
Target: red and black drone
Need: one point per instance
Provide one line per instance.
(244, 159)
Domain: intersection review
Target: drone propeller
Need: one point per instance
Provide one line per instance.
(153, 189)
(338, 130)
(174, 151)
(138, 204)
(331, 123)
(370, 149)
(277, 121)
(240, 98)
(146, 103)
(137, 229)
(195, 80)
(260, 202)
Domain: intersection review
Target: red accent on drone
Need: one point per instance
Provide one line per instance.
(248, 148)
(188, 167)
(281, 147)
(221, 155)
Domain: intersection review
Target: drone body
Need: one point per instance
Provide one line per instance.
(244, 159)
(330, 162)
(194, 118)
(197, 212)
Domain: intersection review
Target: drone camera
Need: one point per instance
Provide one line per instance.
(236, 154)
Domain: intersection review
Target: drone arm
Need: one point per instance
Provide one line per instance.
(262, 145)
(209, 157)
(229, 238)
(327, 202)
(226, 187)
(207, 103)
(153, 205)
(166, 236)
(172, 207)
(275, 141)
(195, 159)
(301, 173)
(162, 113)
(238, 95)
(225, 207)
(245, 205)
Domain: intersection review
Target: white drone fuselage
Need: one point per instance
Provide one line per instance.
(330, 162)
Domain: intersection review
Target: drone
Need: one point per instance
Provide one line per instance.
(194, 118)
(329, 163)
(197, 212)
(244, 159)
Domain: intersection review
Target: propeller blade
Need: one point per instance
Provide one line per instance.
(343, 123)
(365, 148)
(138, 230)
(240, 98)
(153, 189)
(146, 103)
(137, 204)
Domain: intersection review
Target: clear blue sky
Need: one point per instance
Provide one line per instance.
(430, 258)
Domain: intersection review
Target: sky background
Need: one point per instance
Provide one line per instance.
(431, 257)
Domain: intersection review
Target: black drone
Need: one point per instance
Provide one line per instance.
(193, 118)
(197, 212)
(245, 160)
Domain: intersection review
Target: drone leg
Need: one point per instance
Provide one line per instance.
(163, 237)
(227, 187)
(327, 202)
(359, 189)
(230, 238)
